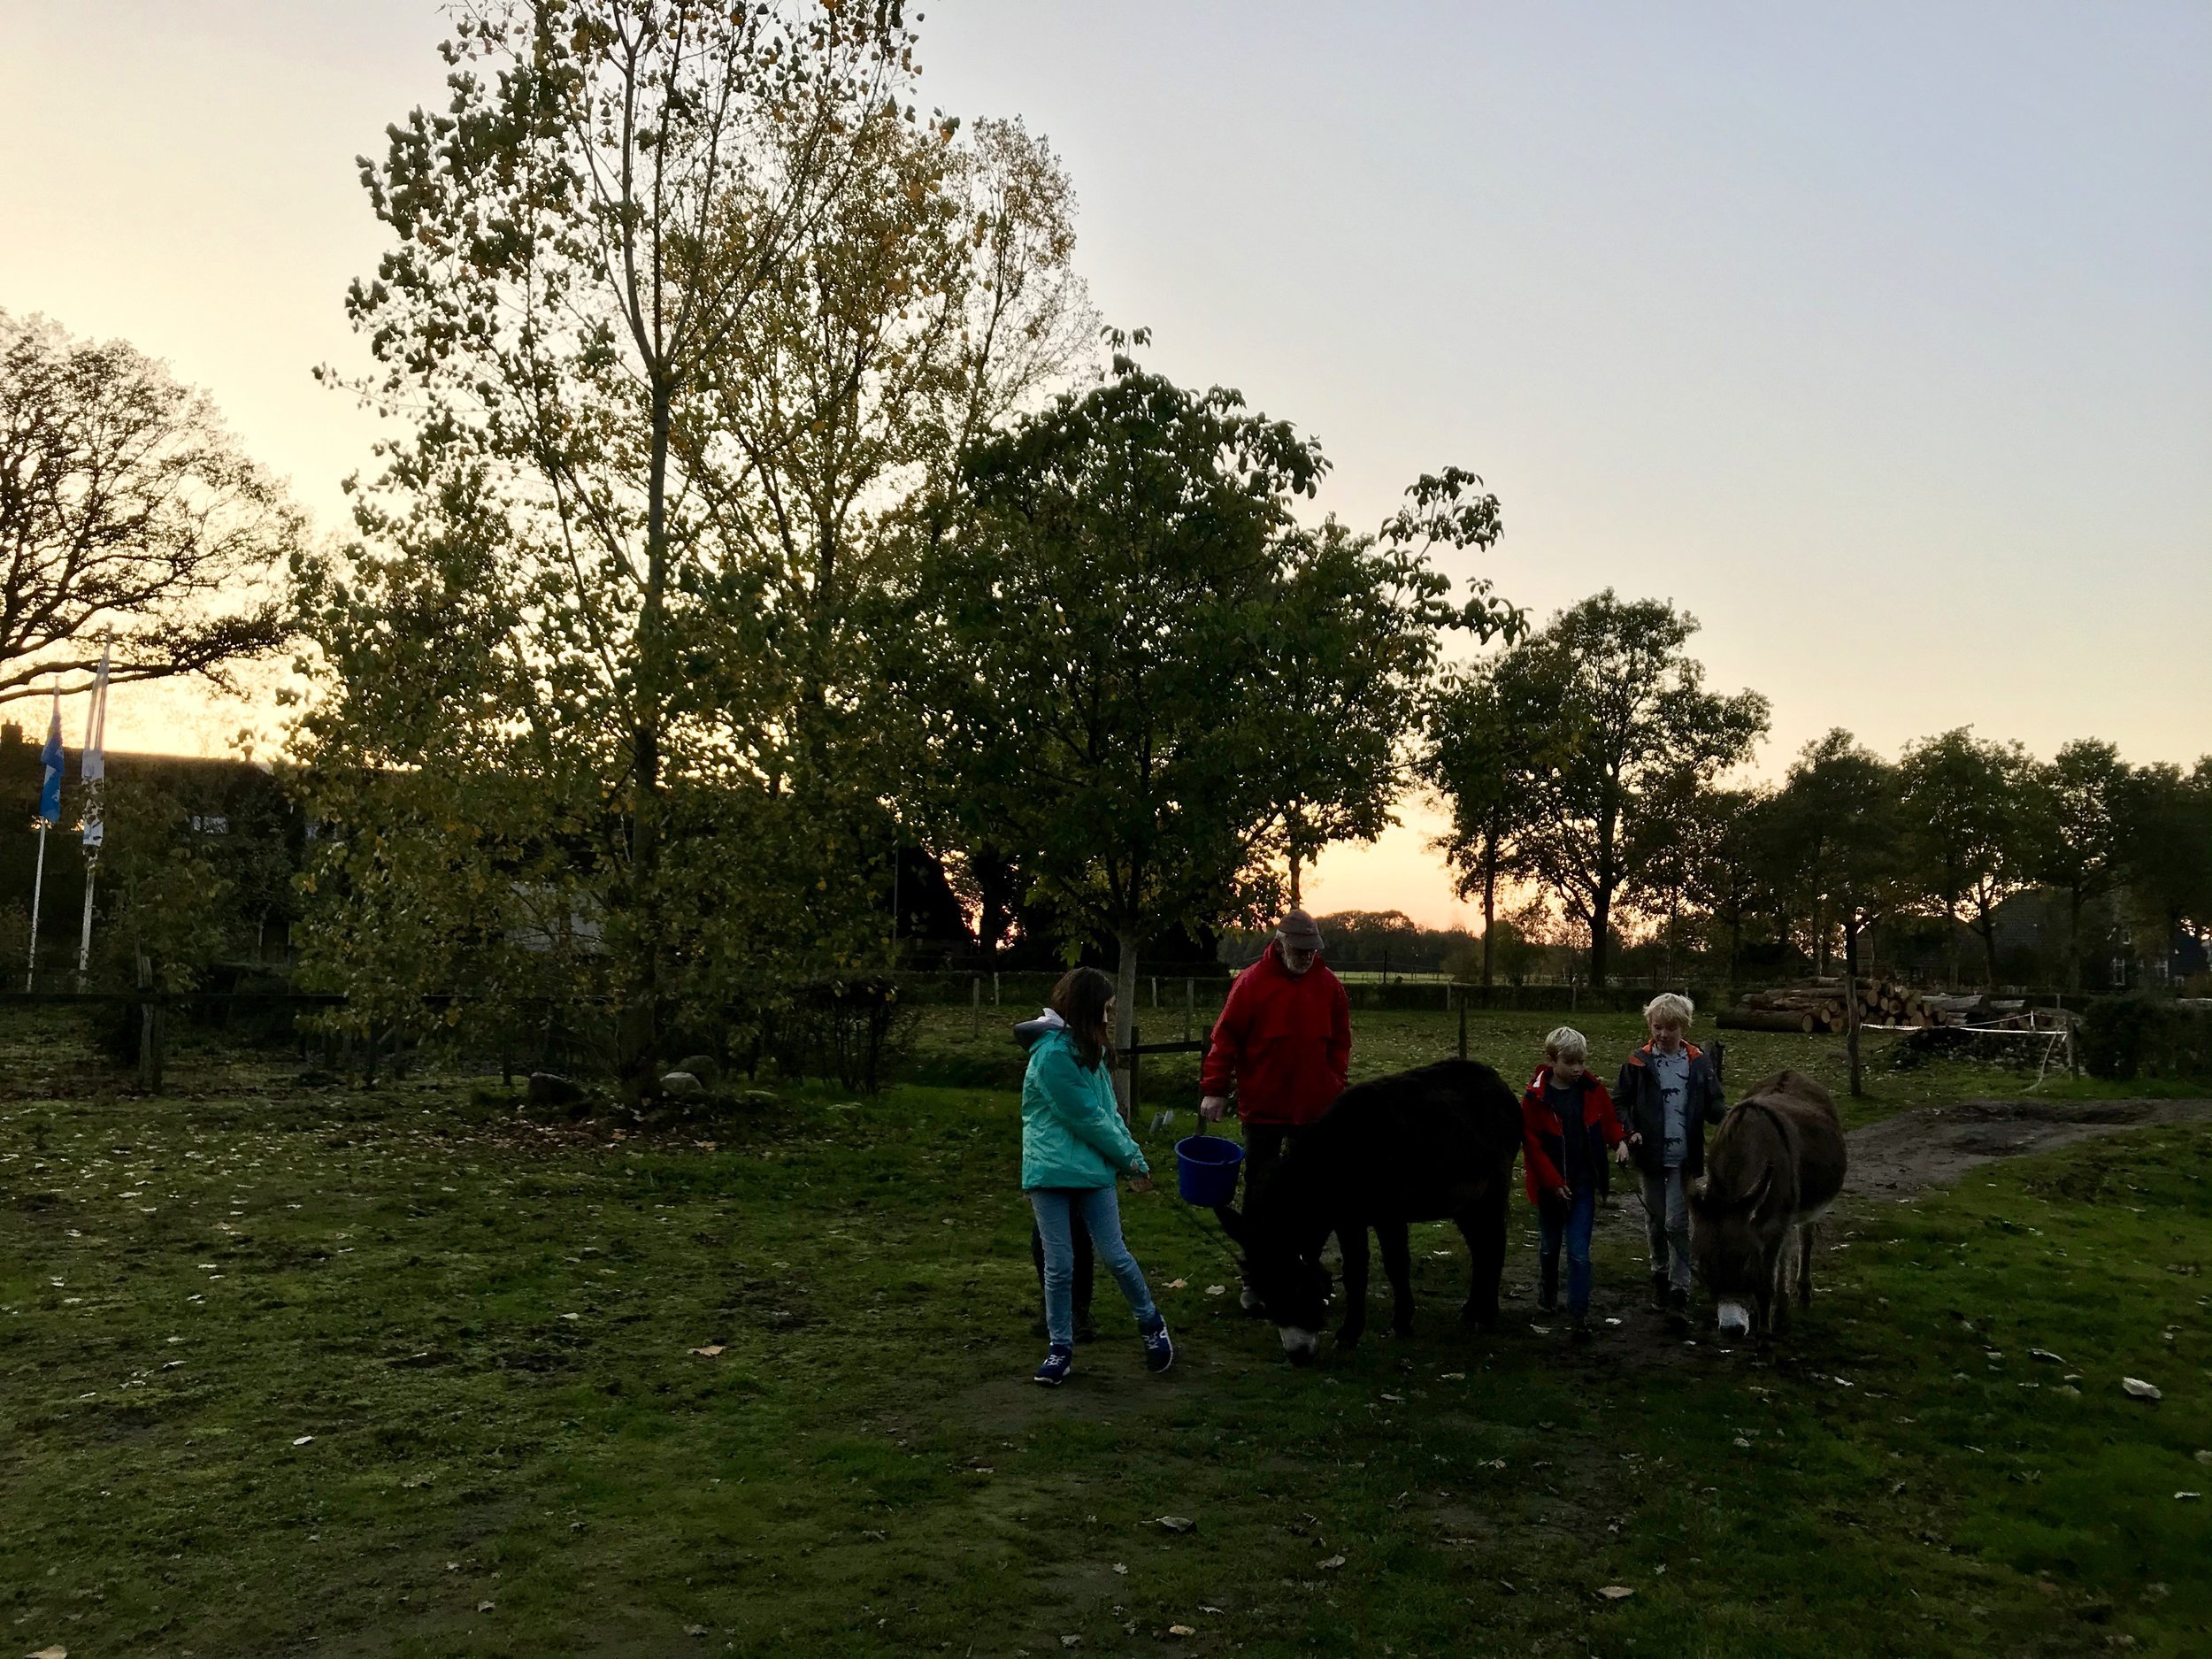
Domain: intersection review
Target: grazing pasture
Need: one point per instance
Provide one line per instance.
(291, 1369)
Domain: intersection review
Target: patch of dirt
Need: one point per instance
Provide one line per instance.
(1901, 1155)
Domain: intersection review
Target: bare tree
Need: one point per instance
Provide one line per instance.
(125, 509)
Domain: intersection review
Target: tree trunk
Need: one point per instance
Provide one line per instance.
(1489, 911)
(2073, 940)
(1124, 1016)
(1295, 894)
(1600, 925)
(1988, 931)
(1601, 888)
(1851, 998)
(639, 1030)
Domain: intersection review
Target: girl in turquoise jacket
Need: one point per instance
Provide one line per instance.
(1074, 1144)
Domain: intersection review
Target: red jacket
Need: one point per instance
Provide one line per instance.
(1284, 1041)
(1543, 1136)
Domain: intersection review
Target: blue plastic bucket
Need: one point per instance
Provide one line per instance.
(1206, 1169)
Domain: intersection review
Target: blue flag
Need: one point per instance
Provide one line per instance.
(49, 794)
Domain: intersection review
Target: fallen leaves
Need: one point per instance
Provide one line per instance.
(1216, 1290)
(2137, 1389)
(1179, 1284)
(1178, 1522)
(1181, 1630)
(711, 1350)
(1332, 1563)
(302, 1439)
(1617, 1592)
(56, 1652)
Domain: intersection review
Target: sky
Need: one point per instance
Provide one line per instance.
(1878, 336)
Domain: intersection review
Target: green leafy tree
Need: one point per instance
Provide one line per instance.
(2166, 839)
(2074, 809)
(1086, 637)
(1486, 757)
(1629, 725)
(1837, 831)
(1353, 638)
(128, 516)
(683, 311)
(1966, 805)
(581, 239)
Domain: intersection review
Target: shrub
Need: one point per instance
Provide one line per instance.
(2125, 1037)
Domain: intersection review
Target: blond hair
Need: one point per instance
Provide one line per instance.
(1566, 1043)
(1670, 1008)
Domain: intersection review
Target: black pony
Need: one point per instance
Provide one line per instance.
(1433, 1144)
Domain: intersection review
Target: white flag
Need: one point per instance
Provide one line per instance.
(92, 764)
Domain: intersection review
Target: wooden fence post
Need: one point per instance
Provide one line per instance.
(1190, 1006)
(975, 1001)
(148, 1027)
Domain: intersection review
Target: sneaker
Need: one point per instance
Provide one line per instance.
(1548, 1305)
(1679, 1311)
(1658, 1292)
(1058, 1365)
(1159, 1348)
(1085, 1331)
(1582, 1331)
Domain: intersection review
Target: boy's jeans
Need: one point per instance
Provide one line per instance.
(1100, 1211)
(1570, 1224)
(1667, 1225)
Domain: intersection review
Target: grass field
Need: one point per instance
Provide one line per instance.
(322, 1370)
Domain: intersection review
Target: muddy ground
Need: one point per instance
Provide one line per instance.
(1935, 1146)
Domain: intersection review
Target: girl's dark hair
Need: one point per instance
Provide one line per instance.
(1080, 999)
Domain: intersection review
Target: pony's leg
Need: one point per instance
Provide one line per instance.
(1352, 1241)
(1397, 1257)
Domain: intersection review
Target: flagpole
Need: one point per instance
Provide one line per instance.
(92, 769)
(49, 814)
(84, 943)
(38, 887)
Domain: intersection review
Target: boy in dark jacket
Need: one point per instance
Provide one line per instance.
(1567, 1127)
(1668, 1091)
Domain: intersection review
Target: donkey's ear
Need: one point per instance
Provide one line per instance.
(1759, 1192)
(1232, 1222)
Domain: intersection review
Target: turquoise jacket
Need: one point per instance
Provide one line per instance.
(1072, 1134)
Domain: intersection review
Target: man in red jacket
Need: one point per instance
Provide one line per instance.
(1283, 1044)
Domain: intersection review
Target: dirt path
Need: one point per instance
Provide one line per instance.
(1937, 1144)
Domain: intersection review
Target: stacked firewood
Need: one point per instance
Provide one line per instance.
(1821, 1004)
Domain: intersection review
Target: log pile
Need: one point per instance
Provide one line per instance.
(1812, 1005)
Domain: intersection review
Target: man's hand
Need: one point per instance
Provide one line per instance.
(1212, 1108)
(1620, 1153)
(1566, 1194)
(1140, 1183)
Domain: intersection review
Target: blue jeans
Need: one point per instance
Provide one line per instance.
(1100, 1211)
(1569, 1225)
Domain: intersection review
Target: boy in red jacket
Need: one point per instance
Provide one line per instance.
(1283, 1044)
(1566, 1125)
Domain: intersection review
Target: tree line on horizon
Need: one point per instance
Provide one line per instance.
(767, 516)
